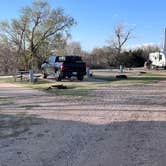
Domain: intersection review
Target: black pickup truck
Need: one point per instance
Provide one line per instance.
(64, 66)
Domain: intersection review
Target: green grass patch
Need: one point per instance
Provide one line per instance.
(7, 80)
(82, 89)
(77, 89)
(133, 79)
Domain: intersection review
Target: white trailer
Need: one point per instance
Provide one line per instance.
(158, 59)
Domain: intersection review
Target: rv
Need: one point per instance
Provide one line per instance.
(158, 59)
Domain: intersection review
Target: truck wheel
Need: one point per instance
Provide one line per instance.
(58, 76)
(80, 78)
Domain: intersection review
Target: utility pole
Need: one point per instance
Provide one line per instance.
(164, 45)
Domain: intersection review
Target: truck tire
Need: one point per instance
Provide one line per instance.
(80, 78)
(58, 76)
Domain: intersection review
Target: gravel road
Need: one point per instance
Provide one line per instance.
(114, 126)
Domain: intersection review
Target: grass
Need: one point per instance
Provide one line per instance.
(81, 89)
(74, 89)
(7, 80)
(133, 79)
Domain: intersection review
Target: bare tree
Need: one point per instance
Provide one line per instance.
(148, 49)
(97, 56)
(121, 37)
(14, 34)
(7, 57)
(110, 56)
(73, 48)
(118, 41)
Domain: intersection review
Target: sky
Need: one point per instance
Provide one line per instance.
(96, 19)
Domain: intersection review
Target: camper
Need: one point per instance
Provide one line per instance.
(158, 59)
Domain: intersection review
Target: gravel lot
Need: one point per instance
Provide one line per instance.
(118, 126)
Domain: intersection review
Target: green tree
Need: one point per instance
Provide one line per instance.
(38, 26)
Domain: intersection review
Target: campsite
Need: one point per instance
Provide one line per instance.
(82, 83)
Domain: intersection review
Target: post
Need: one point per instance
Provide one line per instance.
(21, 75)
(87, 71)
(31, 76)
(164, 39)
(121, 68)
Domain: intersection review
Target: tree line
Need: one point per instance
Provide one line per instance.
(40, 31)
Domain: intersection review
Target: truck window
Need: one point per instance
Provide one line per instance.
(61, 59)
(160, 57)
(68, 59)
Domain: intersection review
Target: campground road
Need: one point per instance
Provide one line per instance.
(114, 126)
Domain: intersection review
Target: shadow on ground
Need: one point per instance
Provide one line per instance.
(14, 125)
(29, 140)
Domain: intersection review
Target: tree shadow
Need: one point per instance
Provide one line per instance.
(31, 140)
(14, 125)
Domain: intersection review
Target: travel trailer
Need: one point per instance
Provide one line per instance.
(158, 59)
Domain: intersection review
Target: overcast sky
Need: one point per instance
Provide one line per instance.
(97, 18)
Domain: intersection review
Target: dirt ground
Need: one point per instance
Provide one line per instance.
(113, 126)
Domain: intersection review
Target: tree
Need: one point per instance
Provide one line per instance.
(120, 38)
(110, 56)
(97, 57)
(73, 48)
(14, 35)
(7, 57)
(38, 26)
(148, 49)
